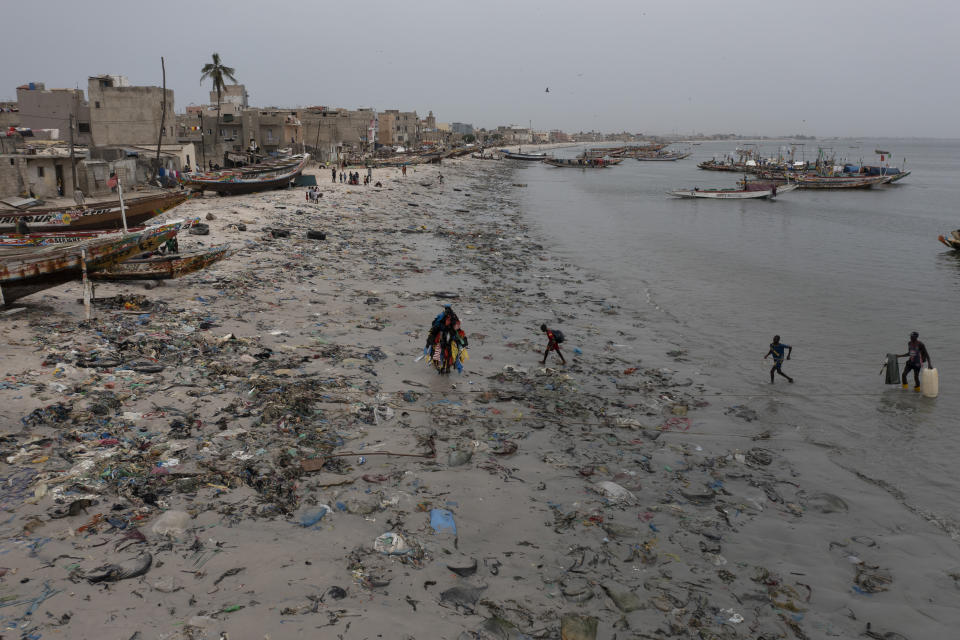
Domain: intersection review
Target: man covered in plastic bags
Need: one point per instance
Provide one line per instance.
(446, 342)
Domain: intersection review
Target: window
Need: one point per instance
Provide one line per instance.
(39, 172)
(188, 160)
(83, 127)
(209, 132)
(11, 161)
(96, 104)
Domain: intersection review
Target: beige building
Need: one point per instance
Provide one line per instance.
(39, 171)
(122, 114)
(404, 127)
(42, 108)
(331, 133)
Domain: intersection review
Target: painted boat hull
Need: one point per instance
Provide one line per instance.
(95, 216)
(230, 184)
(816, 182)
(31, 270)
(731, 194)
(163, 267)
(529, 157)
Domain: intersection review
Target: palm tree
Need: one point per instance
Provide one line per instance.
(217, 71)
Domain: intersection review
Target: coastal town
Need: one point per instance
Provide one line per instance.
(318, 372)
(55, 141)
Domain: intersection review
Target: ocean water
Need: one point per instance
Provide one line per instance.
(842, 276)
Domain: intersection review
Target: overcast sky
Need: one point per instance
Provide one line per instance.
(816, 67)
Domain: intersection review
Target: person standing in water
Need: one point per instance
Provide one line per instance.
(916, 356)
(776, 350)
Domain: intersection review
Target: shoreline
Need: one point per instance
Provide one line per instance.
(322, 361)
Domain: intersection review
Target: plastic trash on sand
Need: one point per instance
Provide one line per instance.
(615, 492)
(313, 515)
(442, 521)
(391, 544)
(171, 523)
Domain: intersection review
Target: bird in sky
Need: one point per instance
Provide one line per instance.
(548, 90)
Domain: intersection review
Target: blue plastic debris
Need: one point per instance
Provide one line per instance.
(441, 521)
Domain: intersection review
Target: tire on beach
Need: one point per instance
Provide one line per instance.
(200, 230)
(314, 234)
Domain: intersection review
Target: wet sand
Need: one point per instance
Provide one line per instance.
(622, 487)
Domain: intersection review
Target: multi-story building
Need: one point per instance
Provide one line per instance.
(59, 109)
(122, 114)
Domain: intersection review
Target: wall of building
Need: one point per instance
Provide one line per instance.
(128, 115)
(42, 108)
(21, 173)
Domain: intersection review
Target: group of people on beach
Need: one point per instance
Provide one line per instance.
(353, 177)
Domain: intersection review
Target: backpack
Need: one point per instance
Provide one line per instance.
(558, 335)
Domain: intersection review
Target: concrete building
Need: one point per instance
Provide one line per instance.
(461, 128)
(233, 94)
(271, 130)
(42, 108)
(122, 114)
(9, 114)
(513, 134)
(330, 134)
(404, 129)
(38, 171)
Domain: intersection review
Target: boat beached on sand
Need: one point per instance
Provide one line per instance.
(93, 216)
(29, 270)
(232, 182)
(164, 267)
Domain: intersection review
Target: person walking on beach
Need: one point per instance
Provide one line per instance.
(554, 338)
(776, 350)
(333, 175)
(441, 179)
(403, 170)
(916, 357)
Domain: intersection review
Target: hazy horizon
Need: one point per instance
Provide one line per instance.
(751, 68)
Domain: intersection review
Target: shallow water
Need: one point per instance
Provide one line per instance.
(842, 276)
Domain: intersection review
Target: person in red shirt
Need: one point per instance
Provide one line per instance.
(553, 344)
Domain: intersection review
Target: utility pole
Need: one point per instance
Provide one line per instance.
(73, 161)
(203, 149)
(163, 113)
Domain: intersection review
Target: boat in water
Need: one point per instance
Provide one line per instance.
(746, 191)
(952, 239)
(580, 163)
(94, 216)
(807, 181)
(662, 156)
(233, 182)
(530, 157)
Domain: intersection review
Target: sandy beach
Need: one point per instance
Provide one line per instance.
(255, 450)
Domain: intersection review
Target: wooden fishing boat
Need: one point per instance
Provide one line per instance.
(95, 216)
(27, 271)
(164, 267)
(750, 192)
(46, 239)
(229, 183)
(839, 182)
(952, 240)
(531, 157)
(579, 163)
(662, 157)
